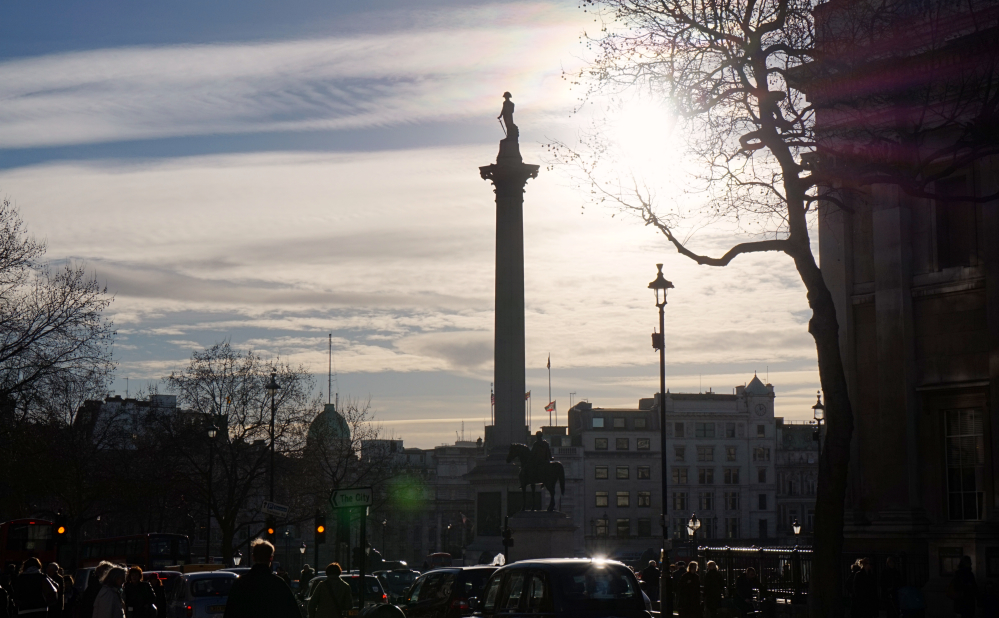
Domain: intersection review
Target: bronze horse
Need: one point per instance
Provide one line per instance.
(546, 474)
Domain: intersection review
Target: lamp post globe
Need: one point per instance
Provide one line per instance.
(661, 287)
(796, 527)
(302, 548)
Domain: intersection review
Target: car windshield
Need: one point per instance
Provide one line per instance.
(598, 587)
(398, 581)
(211, 587)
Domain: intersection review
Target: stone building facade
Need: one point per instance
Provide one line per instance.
(797, 470)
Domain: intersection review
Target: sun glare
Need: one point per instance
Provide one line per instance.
(646, 143)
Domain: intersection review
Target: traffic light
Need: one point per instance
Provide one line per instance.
(270, 532)
(60, 527)
(320, 528)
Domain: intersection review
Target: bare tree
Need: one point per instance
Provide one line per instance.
(226, 388)
(779, 117)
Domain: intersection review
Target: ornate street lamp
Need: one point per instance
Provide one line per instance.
(662, 287)
(237, 558)
(273, 388)
(819, 414)
(796, 527)
(302, 549)
(692, 527)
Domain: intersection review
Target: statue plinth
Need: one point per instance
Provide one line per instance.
(542, 534)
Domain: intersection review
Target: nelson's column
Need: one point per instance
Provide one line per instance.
(495, 480)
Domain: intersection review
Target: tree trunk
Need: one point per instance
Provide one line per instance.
(227, 530)
(825, 598)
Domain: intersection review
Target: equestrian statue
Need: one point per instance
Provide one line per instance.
(537, 467)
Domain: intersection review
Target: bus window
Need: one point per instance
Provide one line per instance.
(27, 537)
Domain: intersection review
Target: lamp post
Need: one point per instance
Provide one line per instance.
(212, 431)
(273, 388)
(237, 558)
(384, 526)
(796, 527)
(819, 413)
(692, 527)
(662, 287)
(287, 546)
(301, 560)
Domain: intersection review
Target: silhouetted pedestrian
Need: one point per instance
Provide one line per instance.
(745, 584)
(160, 592)
(139, 596)
(963, 589)
(688, 594)
(260, 593)
(650, 581)
(109, 603)
(332, 598)
(714, 589)
(865, 591)
(52, 570)
(7, 609)
(93, 589)
(304, 578)
(34, 593)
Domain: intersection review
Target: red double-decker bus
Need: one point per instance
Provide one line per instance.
(21, 539)
(150, 551)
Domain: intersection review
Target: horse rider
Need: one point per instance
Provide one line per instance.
(541, 452)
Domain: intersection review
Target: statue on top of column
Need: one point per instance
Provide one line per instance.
(511, 130)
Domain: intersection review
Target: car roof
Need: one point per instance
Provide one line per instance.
(556, 562)
(209, 574)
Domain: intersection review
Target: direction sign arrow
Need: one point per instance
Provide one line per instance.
(351, 497)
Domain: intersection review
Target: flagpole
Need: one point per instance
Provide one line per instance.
(549, 387)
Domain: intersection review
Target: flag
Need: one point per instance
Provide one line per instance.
(550, 407)
(549, 361)
(492, 398)
(527, 395)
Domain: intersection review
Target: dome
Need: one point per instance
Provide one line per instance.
(328, 425)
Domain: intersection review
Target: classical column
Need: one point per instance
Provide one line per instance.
(509, 175)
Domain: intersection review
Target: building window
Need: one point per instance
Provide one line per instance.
(950, 557)
(622, 444)
(623, 498)
(600, 444)
(705, 453)
(731, 500)
(598, 422)
(957, 226)
(600, 472)
(731, 527)
(762, 525)
(763, 502)
(707, 502)
(679, 453)
(680, 476)
(644, 473)
(641, 423)
(602, 525)
(761, 431)
(761, 453)
(678, 430)
(645, 527)
(642, 444)
(729, 453)
(704, 430)
(729, 430)
(602, 499)
(679, 501)
(731, 476)
(618, 422)
(706, 476)
(761, 475)
(965, 464)
(645, 498)
(623, 472)
(623, 527)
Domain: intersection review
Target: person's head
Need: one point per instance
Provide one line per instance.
(115, 577)
(261, 551)
(711, 565)
(652, 563)
(692, 567)
(333, 570)
(751, 573)
(31, 563)
(865, 563)
(102, 569)
(52, 569)
(965, 563)
(135, 575)
(70, 582)
(306, 567)
(681, 565)
(507, 95)
(155, 582)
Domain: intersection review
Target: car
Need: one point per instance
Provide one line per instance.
(444, 593)
(374, 594)
(169, 579)
(238, 570)
(592, 588)
(200, 595)
(397, 582)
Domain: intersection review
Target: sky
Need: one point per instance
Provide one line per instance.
(273, 173)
